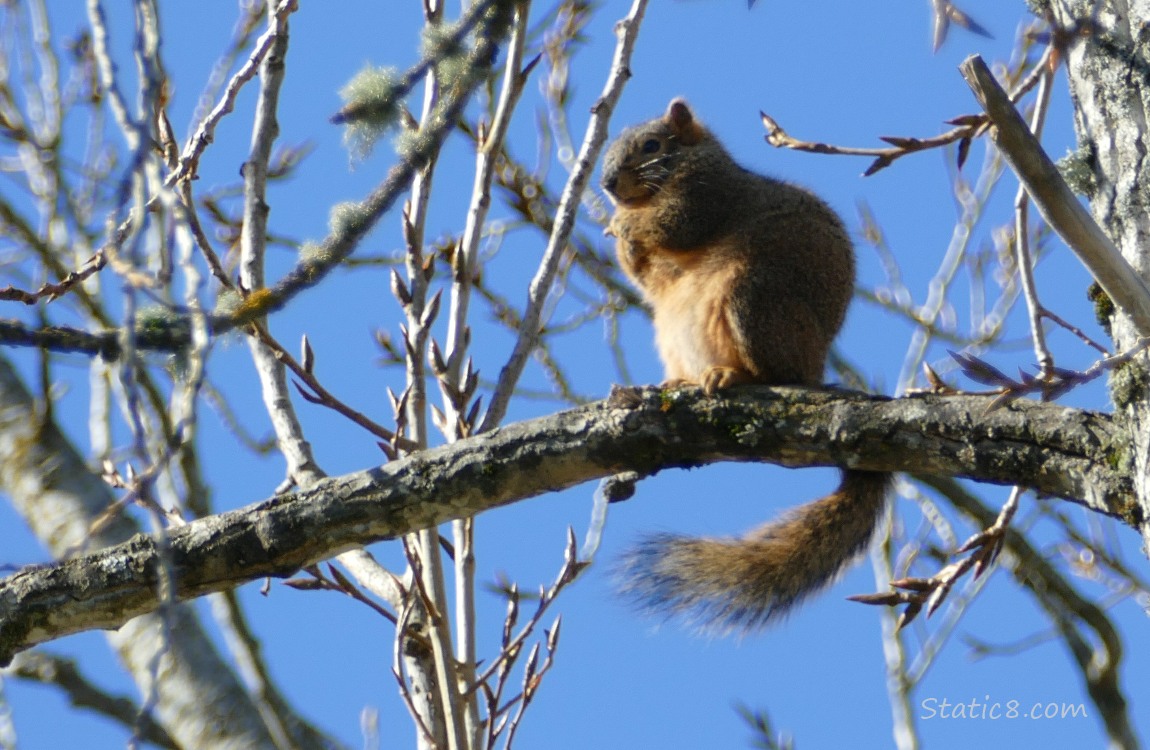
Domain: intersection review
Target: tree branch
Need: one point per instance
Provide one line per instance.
(1054, 199)
(1069, 453)
(81, 692)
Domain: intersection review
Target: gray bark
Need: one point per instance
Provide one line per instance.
(1056, 450)
(1109, 75)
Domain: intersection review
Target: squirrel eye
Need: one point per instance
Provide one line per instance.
(650, 146)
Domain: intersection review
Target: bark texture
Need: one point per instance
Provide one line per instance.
(1069, 453)
(1109, 74)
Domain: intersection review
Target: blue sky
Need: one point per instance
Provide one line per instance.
(833, 71)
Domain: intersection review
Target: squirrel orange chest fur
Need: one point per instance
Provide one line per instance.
(678, 252)
(689, 293)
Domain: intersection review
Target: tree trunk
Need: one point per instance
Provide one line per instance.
(1109, 70)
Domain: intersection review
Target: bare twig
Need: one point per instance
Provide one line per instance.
(401, 654)
(1023, 257)
(52, 292)
(316, 393)
(946, 13)
(1076, 331)
(116, 100)
(374, 577)
(511, 648)
(512, 645)
(917, 593)
(968, 128)
(312, 269)
(433, 670)
(205, 131)
(301, 466)
(337, 582)
(627, 31)
(973, 201)
(1056, 383)
(459, 383)
(489, 147)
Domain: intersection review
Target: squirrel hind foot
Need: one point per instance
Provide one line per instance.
(714, 379)
(720, 377)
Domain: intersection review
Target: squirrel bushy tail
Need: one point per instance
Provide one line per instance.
(743, 584)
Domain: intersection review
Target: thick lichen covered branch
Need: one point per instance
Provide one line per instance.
(1052, 449)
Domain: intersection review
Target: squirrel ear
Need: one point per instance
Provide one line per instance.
(682, 123)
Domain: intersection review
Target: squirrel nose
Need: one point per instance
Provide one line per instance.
(609, 183)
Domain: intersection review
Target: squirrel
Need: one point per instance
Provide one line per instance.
(749, 278)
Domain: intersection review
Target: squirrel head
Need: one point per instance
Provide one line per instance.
(643, 157)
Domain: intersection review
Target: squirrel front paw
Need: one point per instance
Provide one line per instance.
(616, 227)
